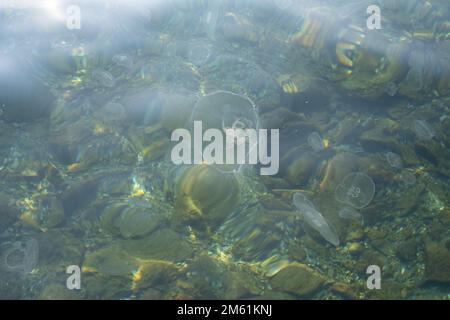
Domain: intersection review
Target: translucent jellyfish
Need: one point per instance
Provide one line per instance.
(391, 89)
(394, 160)
(123, 61)
(423, 130)
(350, 213)
(315, 219)
(199, 54)
(283, 4)
(104, 78)
(228, 110)
(111, 112)
(316, 142)
(64, 41)
(20, 256)
(408, 177)
(356, 190)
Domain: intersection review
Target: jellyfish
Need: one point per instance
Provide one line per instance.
(350, 213)
(394, 160)
(315, 219)
(123, 61)
(228, 110)
(104, 78)
(423, 130)
(408, 177)
(66, 41)
(20, 256)
(356, 190)
(199, 54)
(316, 142)
(284, 4)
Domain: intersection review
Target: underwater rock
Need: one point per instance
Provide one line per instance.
(346, 290)
(153, 273)
(23, 98)
(408, 250)
(163, 244)
(355, 248)
(337, 169)
(8, 212)
(357, 190)
(132, 218)
(298, 279)
(49, 213)
(206, 275)
(298, 166)
(240, 284)
(382, 136)
(57, 291)
(79, 195)
(204, 196)
(437, 261)
(315, 219)
(110, 260)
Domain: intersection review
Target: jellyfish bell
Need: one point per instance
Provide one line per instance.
(223, 110)
(356, 190)
(20, 256)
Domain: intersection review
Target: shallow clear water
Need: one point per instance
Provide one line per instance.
(224, 149)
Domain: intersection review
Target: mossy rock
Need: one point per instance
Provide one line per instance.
(56, 291)
(437, 261)
(164, 244)
(8, 212)
(298, 279)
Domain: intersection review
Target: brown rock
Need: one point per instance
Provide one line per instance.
(437, 262)
(297, 278)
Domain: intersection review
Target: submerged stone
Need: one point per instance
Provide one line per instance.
(298, 279)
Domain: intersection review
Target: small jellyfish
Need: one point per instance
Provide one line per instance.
(315, 219)
(104, 78)
(20, 256)
(123, 61)
(111, 112)
(199, 54)
(316, 142)
(423, 130)
(357, 190)
(283, 4)
(391, 89)
(64, 41)
(350, 213)
(408, 177)
(394, 160)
